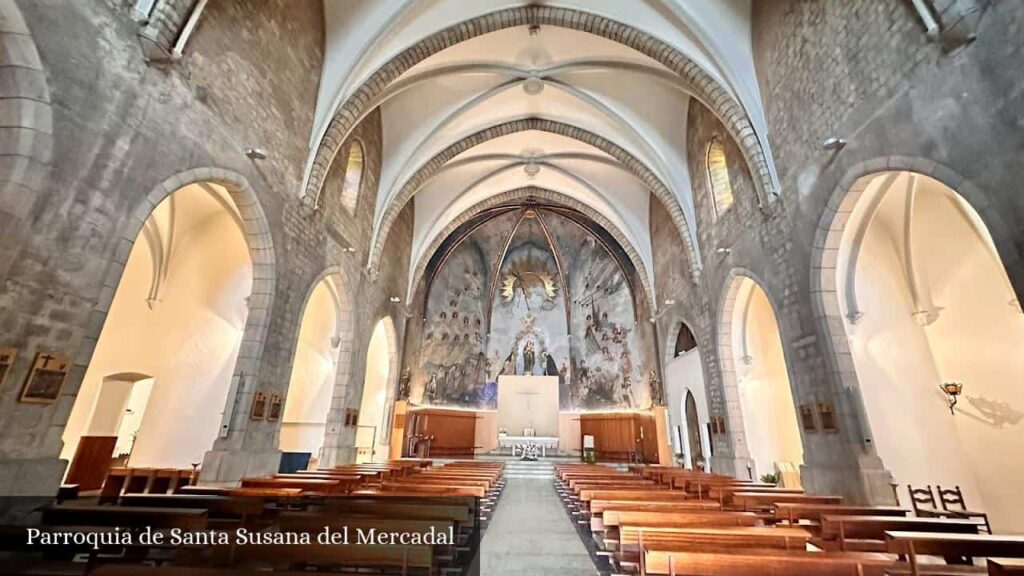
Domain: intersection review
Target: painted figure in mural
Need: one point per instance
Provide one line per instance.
(403, 384)
(430, 389)
(529, 358)
(550, 367)
(657, 391)
(625, 391)
(509, 368)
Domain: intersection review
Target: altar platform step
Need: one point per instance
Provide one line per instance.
(524, 469)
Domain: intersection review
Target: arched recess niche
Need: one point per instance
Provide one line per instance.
(914, 293)
(180, 313)
(761, 420)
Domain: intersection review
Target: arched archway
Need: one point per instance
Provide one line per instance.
(695, 454)
(921, 297)
(315, 366)
(684, 382)
(180, 313)
(755, 377)
(378, 393)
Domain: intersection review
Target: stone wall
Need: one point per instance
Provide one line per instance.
(125, 133)
(863, 71)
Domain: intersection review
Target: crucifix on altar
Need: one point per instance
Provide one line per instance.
(528, 410)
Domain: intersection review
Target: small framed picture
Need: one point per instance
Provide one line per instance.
(46, 379)
(7, 357)
(259, 406)
(807, 418)
(274, 411)
(828, 417)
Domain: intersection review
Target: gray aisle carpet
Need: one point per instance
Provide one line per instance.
(531, 535)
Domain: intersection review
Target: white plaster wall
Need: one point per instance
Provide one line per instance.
(976, 339)
(134, 412)
(314, 366)
(766, 399)
(375, 388)
(188, 341)
(686, 373)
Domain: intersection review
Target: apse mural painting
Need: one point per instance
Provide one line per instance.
(609, 366)
(537, 313)
(529, 328)
(453, 369)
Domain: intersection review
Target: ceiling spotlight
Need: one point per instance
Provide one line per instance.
(395, 299)
(256, 153)
(670, 302)
(834, 144)
(533, 85)
(724, 251)
(349, 249)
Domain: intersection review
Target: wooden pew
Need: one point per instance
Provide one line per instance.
(867, 533)
(718, 539)
(600, 506)
(404, 558)
(764, 563)
(1005, 567)
(915, 544)
(793, 513)
(230, 507)
(659, 495)
(125, 517)
(315, 485)
(768, 500)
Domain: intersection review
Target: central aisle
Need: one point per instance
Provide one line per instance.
(531, 534)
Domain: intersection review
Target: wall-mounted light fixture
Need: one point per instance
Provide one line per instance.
(834, 144)
(952, 390)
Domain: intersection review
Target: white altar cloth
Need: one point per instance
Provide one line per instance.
(518, 442)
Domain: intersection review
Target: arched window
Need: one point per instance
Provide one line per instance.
(353, 176)
(718, 176)
(685, 340)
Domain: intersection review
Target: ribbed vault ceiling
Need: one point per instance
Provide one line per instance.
(631, 108)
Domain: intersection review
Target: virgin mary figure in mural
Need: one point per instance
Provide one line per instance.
(529, 358)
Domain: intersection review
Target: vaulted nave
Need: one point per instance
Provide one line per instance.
(689, 287)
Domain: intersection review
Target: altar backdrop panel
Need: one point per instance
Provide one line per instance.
(528, 402)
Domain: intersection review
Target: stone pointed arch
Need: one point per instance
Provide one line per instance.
(26, 133)
(702, 85)
(417, 285)
(630, 162)
(825, 251)
(261, 250)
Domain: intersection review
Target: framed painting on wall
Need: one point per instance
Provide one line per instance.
(274, 412)
(45, 379)
(259, 406)
(7, 356)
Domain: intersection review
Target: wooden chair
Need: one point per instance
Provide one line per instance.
(923, 500)
(954, 497)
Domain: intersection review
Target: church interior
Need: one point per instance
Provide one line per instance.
(604, 287)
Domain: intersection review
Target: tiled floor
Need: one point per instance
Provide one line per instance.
(531, 535)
